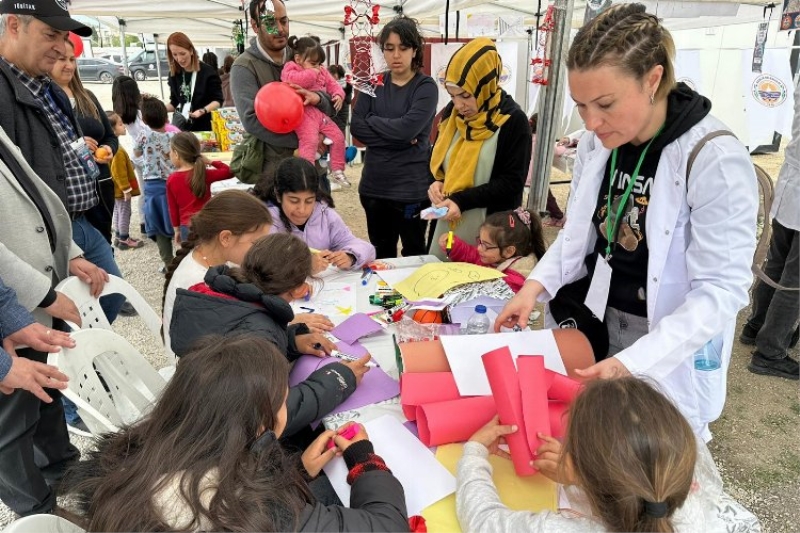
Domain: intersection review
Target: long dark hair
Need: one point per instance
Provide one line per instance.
(276, 264)
(506, 228)
(293, 174)
(187, 146)
(235, 211)
(126, 98)
(224, 395)
(408, 31)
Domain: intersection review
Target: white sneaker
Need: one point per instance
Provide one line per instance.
(323, 163)
(327, 142)
(335, 186)
(339, 177)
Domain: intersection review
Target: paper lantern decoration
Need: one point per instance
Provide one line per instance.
(278, 107)
(77, 44)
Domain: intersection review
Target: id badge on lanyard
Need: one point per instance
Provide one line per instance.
(86, 158)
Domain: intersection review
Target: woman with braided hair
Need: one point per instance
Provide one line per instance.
(483, 149)
(665, 238)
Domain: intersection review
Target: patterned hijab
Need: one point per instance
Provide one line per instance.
(476, 68)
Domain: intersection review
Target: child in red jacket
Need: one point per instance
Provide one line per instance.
(189, 187)
(510, 241)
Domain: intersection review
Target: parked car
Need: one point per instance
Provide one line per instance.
(116, 57)
(143, 64)
(95, 68)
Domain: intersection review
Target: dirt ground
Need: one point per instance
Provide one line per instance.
(756, 438)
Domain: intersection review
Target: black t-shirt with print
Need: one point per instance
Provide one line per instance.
(629, 253)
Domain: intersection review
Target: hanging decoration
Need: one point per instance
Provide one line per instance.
(541, 60)
(362, 16)
(237, 35)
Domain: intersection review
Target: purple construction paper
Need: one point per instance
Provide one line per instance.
(376, 386)
(355, 349)
(357, 326)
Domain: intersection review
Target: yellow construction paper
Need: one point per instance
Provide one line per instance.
(530, 493)
(433, 279)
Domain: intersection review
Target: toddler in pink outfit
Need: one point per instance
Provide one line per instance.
(307, 72)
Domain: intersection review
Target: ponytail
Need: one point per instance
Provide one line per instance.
(187, 146)
(198, 180)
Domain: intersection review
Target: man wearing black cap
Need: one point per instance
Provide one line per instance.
(37, 116)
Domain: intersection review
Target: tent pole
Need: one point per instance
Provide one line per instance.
(121, 23)
(551, 106)
(158, 65)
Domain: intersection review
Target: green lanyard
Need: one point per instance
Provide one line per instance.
(611, 231)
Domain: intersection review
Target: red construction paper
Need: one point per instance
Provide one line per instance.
(422, 388)
(558, 419)
(453, 421)
(533, 389)
(561, 388)
(424, 356)
(504, 382)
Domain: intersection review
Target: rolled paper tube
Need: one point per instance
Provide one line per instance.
(559, 417)
(424, 356)
(504, 383)
(454, 420)
(533, 388)
(426, 387)
(561, 388)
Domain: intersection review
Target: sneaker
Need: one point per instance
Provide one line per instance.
(783, 368)
(339, 177)
(748, 336)
(130, 242)
(335, 186)
(327, 142)
(127, 309)
(79, 427)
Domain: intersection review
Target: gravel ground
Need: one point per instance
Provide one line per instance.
(756, 438)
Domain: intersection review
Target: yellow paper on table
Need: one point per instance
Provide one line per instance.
(433, 279)
(530, 493)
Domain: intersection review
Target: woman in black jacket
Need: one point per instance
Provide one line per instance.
(195, 89)
(97, 132)
(207, 458)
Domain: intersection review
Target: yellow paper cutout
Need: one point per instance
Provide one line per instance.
(529, 493)
(433, 279)
(344, 310)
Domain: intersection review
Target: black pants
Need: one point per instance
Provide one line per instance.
(388, 220)
(34, 448)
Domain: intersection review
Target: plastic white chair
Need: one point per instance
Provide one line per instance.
(131, 385)
(92, 315)
(42, 523)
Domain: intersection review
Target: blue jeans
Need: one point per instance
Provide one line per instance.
(98, 251)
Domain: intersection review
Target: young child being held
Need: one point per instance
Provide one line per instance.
(151, 150)
(208, 458)
(299, 206)
(125, 187)
(629, 462)
(189, 187)
(307, 71)
(510, 241)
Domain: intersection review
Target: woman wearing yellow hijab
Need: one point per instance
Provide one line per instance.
(481, 156)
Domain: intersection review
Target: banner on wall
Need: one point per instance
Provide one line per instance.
(481, 25)
(790, 15)
(509, 53)
(440, 57)
(688, 70)
(769, 102)
(761, 44)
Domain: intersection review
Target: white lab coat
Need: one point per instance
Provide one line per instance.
(701, 246)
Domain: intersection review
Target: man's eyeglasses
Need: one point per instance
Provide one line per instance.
(485, 245)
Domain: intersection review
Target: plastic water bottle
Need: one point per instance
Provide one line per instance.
(478, 323)
(707, 358)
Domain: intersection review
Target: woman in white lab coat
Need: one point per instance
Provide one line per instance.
(680, 252)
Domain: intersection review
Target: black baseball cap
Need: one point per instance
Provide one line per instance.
(52, 12)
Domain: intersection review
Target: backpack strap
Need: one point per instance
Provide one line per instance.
(766, 192)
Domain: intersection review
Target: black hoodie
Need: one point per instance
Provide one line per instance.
(629, 254)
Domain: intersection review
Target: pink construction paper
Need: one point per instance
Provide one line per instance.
(558, 416)
(454, 420)
(418, 389)
(505, 387)
(560, 387)
(533, 389)
(376, 386)
(356, 326)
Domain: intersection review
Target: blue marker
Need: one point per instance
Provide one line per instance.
(365, 280)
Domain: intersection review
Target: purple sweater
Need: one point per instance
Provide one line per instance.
(325, 230)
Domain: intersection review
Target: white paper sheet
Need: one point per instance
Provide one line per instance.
(334, 299)
(424, 479)
(464, 355)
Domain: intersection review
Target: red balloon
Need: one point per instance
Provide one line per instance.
(278, 107)
(77, 43)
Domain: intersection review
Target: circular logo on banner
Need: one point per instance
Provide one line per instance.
(505, 75)
(440, 74)
(690, 82)
(769, 90)
(594, 5)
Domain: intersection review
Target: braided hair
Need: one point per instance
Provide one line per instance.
(627, 37)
